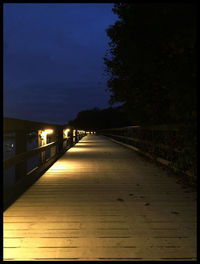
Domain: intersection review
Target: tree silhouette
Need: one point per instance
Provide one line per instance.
(151, 62)
(95, 119)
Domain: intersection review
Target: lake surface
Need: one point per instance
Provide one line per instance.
(9, 152)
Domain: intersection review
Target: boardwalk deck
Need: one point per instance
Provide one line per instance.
(102, 201)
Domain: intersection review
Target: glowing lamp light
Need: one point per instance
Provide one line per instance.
(66, 132)
(81, 131)
(49, 131)
(45, 133)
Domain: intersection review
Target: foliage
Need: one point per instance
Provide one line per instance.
(151, 62)
(95, 118)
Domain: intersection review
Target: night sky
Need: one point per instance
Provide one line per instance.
(53, 60)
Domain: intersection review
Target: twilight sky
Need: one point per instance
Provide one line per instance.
(53, 59)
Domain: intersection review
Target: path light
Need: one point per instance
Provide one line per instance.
(49, 131)
(81, 131)
(66, 132)
(45, 133)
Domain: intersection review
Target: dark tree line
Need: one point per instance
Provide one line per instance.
(151, 62)
(95, 119)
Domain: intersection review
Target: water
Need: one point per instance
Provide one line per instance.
(32, 162)
(9, 151)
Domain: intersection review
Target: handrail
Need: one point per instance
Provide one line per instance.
(175, 144)
(146, 142)
(25, 155)
(63, 137)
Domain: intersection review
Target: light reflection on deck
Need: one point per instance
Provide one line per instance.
(101, 201)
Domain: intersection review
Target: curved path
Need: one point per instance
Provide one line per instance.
(102, 201)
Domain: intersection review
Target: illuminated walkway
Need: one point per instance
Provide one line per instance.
(102, 201)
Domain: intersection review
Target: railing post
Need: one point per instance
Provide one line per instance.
(71, 141)
(53, 149)
(41, 142)
(21, 144)
(64, 142)
(60, 140)
(76, 136)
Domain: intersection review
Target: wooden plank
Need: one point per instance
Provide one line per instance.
(98, 253)
(66, 225)
(136, 241)
(61, 218)
(84, 211)
(67, 233)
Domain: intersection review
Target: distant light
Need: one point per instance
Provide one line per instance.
(81, 131)
(90, 132)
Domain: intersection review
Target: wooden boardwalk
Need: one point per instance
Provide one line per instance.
(102, 201)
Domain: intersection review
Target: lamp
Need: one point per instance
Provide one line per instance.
(66, 132)
(45, 133)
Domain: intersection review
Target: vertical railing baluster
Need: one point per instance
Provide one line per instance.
(76, 136)
(41, 142)
(53, 149)
(60, 140)
(21, 144)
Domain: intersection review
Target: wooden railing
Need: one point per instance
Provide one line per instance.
(173, 146)
(62, 138)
